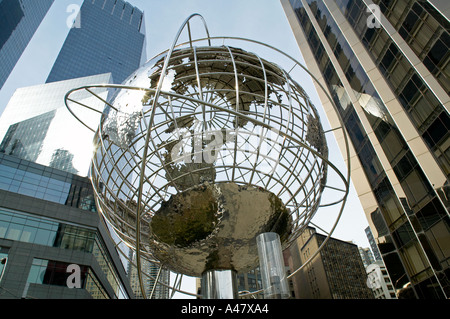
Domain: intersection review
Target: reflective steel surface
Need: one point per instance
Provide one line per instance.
(215, 227)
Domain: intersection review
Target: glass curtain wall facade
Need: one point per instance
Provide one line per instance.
(388, 78)
(109, 36)
(19, 20)
(37, 126)
(48, 221)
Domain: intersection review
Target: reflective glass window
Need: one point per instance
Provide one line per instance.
(355, 130)
(437, 235)
(438, 130)
(22, 227)
(411, 90)
(3, 228)
(414, 258)
(389, 57)
(41, 182)
(403, 234)
(48, 272)
(437, 52)
(28, 234)
(389, 204)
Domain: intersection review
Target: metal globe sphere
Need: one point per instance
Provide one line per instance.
(203, 149)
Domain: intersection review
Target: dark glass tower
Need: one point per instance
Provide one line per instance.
(19, 20)
(386, 66)
(109, 37)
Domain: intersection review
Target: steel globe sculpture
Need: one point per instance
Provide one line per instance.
(203, 149)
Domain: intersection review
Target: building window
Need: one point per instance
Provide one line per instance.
(4, 261)
(414, 259)
(403, 234)
(388, 202)
(31, 179)
(437, 53)
(388, 58)
(49, 272)
(26, 228)
(437, 130)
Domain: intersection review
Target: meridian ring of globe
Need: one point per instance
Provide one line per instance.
(206, 117)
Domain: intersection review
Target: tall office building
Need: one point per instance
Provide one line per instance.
(108, 36)
(37, 126)
(337, 272)
(385, 64)
(366, 256)
(105, 45)
(150, 272)
(48, 221)
(19, 20)
(373, 244)
(378, 280)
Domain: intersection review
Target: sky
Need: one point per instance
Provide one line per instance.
(261, 20)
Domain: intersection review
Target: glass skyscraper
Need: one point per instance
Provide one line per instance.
(373, 244)
(386, 66)
(108, 36)
(37, 126)
(19, 20)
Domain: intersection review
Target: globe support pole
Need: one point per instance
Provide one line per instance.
(277, 151)
(219, 284)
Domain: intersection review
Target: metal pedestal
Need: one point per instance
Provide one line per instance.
(219, 284)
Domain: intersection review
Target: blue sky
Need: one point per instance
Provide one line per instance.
(262, 20)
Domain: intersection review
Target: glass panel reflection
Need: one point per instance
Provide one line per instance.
(34, 180)
(48, 272)
(22, 227)
(25, 228)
